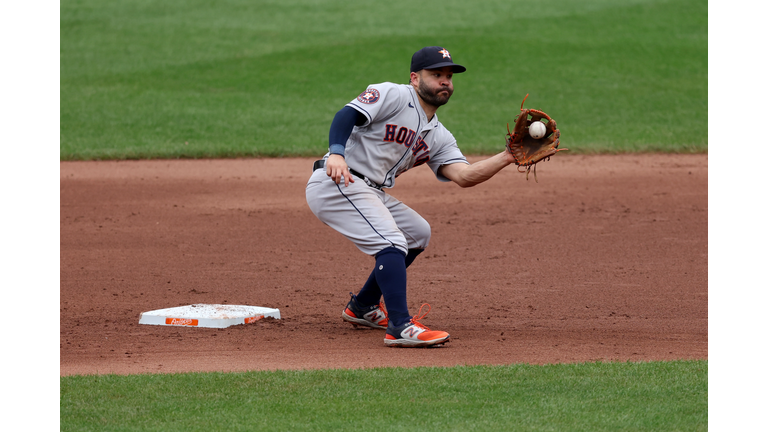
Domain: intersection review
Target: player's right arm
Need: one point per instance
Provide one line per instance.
(336, 167)
(341, 128)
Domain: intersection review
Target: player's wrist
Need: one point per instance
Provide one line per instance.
(337, 149)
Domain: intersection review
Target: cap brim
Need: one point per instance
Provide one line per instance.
(456, 68)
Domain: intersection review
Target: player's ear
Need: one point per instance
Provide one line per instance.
(414, 76)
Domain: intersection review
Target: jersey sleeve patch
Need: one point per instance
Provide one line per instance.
(369, 96)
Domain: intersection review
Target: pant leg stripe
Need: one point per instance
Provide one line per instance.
(363, 216)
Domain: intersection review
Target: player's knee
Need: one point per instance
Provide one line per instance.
(394, 240)
(420, 235)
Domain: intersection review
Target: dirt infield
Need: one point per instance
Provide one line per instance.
(604, 259)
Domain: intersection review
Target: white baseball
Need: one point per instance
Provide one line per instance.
(537, 130)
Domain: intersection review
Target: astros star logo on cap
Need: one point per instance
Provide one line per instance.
(445, 53)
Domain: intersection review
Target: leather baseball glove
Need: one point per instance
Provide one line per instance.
(529, 151)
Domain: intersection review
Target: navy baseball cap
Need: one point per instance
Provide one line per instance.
(433, 57)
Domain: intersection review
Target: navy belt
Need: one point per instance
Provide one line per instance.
(321, 164)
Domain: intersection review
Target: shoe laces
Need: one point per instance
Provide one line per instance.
(416, 319)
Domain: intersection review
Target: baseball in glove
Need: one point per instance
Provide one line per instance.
(529, 151)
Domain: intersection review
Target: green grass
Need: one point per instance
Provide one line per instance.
(566, 397)
(231, 78)
(191, 78)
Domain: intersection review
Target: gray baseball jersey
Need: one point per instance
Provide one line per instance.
(395, 137)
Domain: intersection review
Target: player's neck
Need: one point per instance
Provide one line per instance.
(429, 109)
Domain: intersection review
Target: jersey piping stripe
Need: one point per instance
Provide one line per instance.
(363, 216)
(418, 133)
(362, 111)
(387, 177)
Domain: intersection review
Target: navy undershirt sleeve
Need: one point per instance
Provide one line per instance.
(341, 128)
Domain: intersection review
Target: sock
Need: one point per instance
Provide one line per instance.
(370, 294)
(412, 254)
(391, 277)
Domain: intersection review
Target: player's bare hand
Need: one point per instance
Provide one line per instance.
(509, 157)
(336, 168)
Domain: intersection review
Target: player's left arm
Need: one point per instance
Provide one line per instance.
(466, 175)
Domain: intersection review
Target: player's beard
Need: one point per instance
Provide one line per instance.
(435, 98)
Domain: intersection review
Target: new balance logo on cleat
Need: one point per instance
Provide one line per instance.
(412, 331)
(368, 316)
(414, 334)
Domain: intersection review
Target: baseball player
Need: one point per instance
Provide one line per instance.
(387, 130)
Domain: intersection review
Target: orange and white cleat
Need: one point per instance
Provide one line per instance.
(370, 316)
(414, 334)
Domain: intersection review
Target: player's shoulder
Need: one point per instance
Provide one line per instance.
(386, 85)
(390, 87)
(382, 91)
